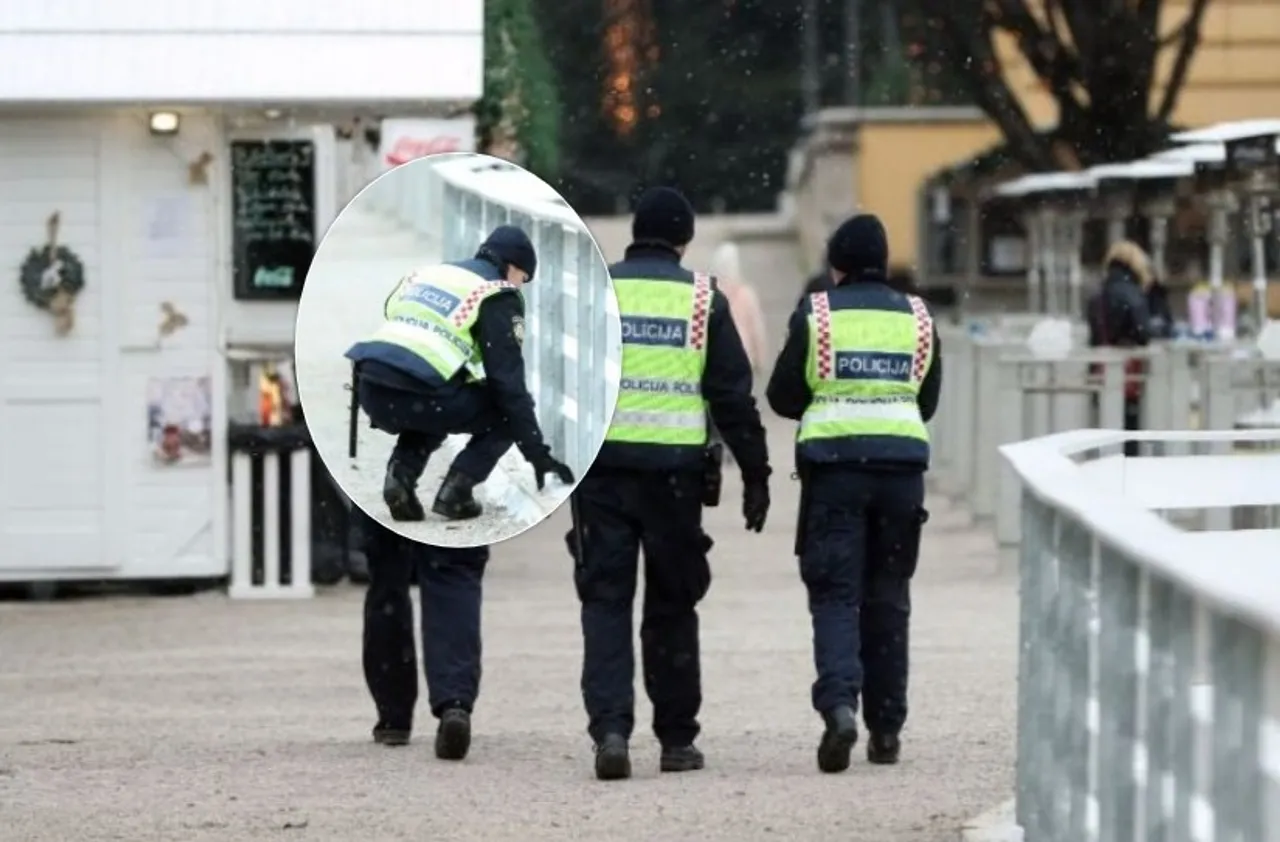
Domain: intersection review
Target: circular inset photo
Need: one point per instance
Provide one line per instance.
(458, 350)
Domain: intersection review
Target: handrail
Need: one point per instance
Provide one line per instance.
(1149, 656)
(1236, 585)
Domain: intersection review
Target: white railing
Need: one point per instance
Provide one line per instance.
(996, 391)
(270, 545)
(573, 334)
(1149, 666)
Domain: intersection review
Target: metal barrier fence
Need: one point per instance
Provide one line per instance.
(1149, 666)
(995, 392)
(573, 334)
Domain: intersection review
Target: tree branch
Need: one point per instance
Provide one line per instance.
(975, 60)
(1051, 59)
(1182, 64)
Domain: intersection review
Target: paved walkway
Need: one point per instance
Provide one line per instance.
(199, 719)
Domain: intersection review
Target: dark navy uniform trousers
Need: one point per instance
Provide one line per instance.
(861, 546)
(449, 580)
(623, 513)
(422, 422)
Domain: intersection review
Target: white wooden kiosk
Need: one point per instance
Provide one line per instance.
(139, 134)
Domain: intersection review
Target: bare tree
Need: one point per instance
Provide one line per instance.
(1098, 59)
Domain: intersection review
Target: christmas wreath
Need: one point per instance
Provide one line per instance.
(51, 277)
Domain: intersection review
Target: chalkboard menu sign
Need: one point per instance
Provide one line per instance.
(273, 189)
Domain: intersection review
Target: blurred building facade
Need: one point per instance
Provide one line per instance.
(891, 154)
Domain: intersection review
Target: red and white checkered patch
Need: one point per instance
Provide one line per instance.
(702, 290)
(822, 316)
(473, 299)
(924, 337)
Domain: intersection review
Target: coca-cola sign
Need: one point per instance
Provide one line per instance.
(405, 140)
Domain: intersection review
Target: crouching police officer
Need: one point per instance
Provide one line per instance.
(861, 372)
(646, 489)
(449, 579)
(448, 360)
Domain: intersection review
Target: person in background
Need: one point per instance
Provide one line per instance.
(1118, 316)
(744, 304)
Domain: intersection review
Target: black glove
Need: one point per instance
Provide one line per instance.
(547, 464)
(755, 504)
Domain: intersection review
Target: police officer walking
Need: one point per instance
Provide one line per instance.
(450, 583)
(448, 360)
(681, 355)
(861, 372)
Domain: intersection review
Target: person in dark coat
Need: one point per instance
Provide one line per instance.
(682, 359)
(1118, 316)
(449, 360)
(861, 371)
(449, 581)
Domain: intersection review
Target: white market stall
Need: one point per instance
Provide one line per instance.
(163, 195)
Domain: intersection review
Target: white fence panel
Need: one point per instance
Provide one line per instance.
(1149, 674)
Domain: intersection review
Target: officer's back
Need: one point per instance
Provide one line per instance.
(726, 380)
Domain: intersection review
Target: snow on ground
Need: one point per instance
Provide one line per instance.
(356, 266)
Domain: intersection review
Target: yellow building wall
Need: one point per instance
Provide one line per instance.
(1235, 74)
(894, 159)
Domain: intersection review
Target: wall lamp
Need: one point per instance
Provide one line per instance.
(164, 123)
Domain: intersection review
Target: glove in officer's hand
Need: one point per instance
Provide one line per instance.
(755, 504)
(548, 465)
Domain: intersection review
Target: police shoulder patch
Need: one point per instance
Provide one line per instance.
(517, 328)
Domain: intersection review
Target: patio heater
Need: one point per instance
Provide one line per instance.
(1251, 165)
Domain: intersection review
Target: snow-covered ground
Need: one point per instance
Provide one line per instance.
(357, 264)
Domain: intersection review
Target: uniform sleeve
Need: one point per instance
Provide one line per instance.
(498, 332)
(788, 391)
(726, 386)
(931, 388)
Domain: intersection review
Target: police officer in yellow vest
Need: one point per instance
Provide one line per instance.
(681, 357)
(861, 372)
(448, 360)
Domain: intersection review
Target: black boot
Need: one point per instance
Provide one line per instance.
(613, 758)
(398, 493)
(838, 739)
(681, 759)
(453, 734)
(883, 749)
(385, 734)
(455, 500)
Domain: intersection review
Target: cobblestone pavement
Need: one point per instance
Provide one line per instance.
(193, 719)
